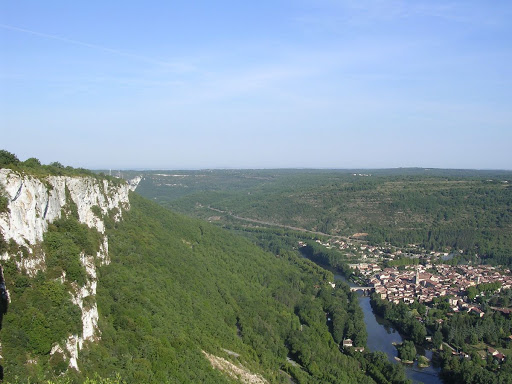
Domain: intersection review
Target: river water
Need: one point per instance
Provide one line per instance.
(382, 335)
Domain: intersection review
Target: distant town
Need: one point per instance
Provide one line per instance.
(422, 282)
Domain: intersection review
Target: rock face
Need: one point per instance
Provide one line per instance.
(34, 203)
(134, 183)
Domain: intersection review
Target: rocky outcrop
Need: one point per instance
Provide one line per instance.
(33, 204)
(236, 372)
(134, 183)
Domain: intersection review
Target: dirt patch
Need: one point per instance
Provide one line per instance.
(238, 372)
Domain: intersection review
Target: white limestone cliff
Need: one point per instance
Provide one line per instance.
(33, 204)
(134, 183)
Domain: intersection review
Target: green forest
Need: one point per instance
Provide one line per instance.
(175, 287)
(178, 288)
(439, 210)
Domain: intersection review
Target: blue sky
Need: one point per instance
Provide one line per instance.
(262, 84)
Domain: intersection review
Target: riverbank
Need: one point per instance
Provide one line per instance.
(382, 335)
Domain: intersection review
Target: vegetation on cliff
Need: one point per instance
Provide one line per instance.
(34, 167)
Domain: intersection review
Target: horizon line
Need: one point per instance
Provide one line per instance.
(298, 169)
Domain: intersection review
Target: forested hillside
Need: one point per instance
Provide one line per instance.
(182, 300)
(179, 300)
(177, 287)
(437, 209)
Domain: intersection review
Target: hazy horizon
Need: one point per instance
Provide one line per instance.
(298, 169)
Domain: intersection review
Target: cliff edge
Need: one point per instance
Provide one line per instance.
(33, 204)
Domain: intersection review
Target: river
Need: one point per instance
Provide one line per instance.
(382, 335)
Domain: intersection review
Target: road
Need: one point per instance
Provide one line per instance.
(344, 238)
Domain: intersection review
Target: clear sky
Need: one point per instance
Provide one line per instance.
(257, 84)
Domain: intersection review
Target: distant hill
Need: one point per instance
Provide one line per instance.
(468, 210)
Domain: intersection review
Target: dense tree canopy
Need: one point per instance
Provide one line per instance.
(176, 287)
(439, 210)
(7, 158)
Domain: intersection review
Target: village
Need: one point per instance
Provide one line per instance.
(425, 278)
(421, 281)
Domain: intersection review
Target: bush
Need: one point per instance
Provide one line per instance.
(407, 350)
(4, 200)
(7, 158)
(32, 162)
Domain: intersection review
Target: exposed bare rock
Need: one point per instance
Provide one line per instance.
(238, 372)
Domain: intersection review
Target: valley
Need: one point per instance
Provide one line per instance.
(162, 297)
(255, 192)
(249, 280)
(455, 267)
